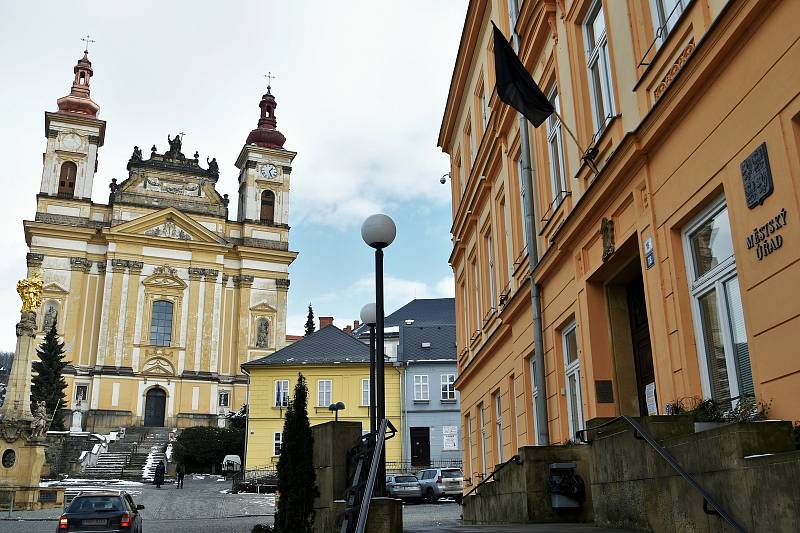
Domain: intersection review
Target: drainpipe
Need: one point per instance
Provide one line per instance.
(246, 423)
(543, 432)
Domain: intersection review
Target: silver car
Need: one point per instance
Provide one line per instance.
(441, 483)
(403, 486)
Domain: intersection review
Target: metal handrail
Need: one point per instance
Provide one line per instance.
(642, 434)
(363, 513)
(517, 460)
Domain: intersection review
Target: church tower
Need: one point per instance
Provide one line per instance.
(74, 134)
(264, 171)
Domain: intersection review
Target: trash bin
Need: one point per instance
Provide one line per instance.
(567, 489)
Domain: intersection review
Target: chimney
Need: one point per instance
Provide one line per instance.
(356, 323)
(348, 329)
(325, 321)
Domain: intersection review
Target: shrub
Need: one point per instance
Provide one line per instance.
(202, 448)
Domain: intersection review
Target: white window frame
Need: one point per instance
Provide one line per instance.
(534, 396)
(448, 393)
(576, 421)
(597, 55)
(277, 443)
(469, 444)
(284, 391)
(365, 392)
(714, 279)
(484, 467)
(660, 19)
(498, 421)
(476, 280)
(421, 388)
(555, 147)
(490, 260)
(224, 394)
(321, 392)
(522, 202)
(484, 108)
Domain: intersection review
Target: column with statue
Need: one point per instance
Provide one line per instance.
(22, 430)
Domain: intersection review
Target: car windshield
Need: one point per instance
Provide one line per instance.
(405, 479)
(95, 504)
(450, 474)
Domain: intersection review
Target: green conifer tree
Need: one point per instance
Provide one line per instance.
(310, 327)
(48, 382)
(296, 477)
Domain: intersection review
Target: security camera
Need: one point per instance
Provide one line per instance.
(442, 180)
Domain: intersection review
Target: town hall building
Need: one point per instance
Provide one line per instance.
(158, 296)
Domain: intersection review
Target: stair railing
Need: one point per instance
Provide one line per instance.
(517, 460)
(640, 433)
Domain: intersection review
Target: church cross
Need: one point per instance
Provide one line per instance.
(269, 77)
(182, 134)
(87, 40)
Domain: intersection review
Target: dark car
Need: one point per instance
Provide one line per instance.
(403, 486)
(101, 511)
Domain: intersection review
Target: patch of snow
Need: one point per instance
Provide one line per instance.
(758, 455)
(226, 491)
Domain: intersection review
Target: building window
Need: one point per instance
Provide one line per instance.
(448, 387)
(464, 313)
(365, 392)
(490, 260)
(597, 59)
(665, 14)
(324, 392)
(282, 393)
(469, 472)
(717, 307)
(224, 399)
(161, 323)
(66, 179)
(534, 397)
(483, 439)
(522, 202)
(555, 143)
(470, 142)
(278, 441)
(572, 371)
(421, 389)
(262, 333)
(484, 107)
(81, 393)
(268, 207)
(477, 295)
(498, 426)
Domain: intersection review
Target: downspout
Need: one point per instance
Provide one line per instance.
(542, 430)
(246, 423)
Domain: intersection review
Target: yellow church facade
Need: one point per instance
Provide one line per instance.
(157, 295)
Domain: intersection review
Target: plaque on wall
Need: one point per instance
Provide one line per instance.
(757, 177)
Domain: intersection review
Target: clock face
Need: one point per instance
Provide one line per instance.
(269, 170)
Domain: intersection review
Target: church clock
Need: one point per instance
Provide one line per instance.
(269, 170)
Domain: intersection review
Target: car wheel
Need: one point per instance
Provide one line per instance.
(430, 496)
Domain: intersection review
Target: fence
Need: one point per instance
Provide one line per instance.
(407, 467)
(259, 479)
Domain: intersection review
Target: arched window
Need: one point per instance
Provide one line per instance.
(66, 181)
(161, 323)
(262, 333)
(268, 206)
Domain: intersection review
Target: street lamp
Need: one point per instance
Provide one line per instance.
(368, 318)
(336, 407)
(379, 231)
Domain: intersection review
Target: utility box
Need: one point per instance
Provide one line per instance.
(567, 489)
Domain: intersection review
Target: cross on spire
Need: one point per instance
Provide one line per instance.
(269, 77)
(87, 40)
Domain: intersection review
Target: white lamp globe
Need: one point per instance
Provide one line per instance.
(378, 231)
(368, 315)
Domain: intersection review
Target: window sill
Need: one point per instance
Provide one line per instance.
(282, 407)
(449, 401)
(421, 401)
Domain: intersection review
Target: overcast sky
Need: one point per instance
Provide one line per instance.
(361, 88)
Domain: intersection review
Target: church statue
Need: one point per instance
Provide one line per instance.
(30, 290)
(113, 185)
(174, 145)
(153, 149)
(40, 421)
(262, 337)
(137, 154)
(213, 167)
(50, 318)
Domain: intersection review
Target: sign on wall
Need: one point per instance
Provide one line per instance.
(757, 176)
(449, 437)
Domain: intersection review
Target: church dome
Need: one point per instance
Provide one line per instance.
(266, 135)
(78, 101)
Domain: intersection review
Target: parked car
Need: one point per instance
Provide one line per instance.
(441, 483)
(107, 511)
(403, 486)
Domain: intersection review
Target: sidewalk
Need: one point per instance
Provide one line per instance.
(517, 528)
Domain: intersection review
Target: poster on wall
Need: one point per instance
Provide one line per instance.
(650, 398)
(449, 437)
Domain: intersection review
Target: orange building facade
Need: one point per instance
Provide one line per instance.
(671, 272)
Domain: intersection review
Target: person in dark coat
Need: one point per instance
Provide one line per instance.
(180, 472)
(158, 478)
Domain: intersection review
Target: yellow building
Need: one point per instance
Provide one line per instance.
(157, 295)
(336, 368)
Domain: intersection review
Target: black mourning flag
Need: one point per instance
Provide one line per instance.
(515, 86)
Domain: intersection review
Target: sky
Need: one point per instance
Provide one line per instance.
(360, 86)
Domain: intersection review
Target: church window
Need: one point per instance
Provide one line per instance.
(268, 206)
(262, 333)
(161, 323)
(66, 180)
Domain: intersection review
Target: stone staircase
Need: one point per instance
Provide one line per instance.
(133, 457)
(109, 465)
(151, 451)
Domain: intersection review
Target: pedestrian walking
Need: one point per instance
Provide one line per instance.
(158, 478)
(180, 472)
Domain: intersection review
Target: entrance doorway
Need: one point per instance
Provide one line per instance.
(420, 446)
(154, 407)
(642, 349)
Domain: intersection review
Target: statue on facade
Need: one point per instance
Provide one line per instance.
(30, 290)
(213, 167)
(174, 145)
(40, 421)
(50, 318)
(262, 334)
(137, 154)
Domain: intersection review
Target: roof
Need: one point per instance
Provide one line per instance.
(423, 311)
(440, 341)
(327, 346)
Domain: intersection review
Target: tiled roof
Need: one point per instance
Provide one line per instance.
(440, 341)
(423, 311)
(327, 346)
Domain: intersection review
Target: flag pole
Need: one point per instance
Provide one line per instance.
(589, 160)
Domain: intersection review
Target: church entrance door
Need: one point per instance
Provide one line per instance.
(154, 406)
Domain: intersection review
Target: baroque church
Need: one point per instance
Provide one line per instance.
(159, 296)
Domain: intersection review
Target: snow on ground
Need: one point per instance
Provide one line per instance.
(90, 482)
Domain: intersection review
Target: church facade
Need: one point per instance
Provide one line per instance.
(157, 295)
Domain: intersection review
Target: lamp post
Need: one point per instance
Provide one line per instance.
(368, 318)
(336, 407)
(379, 231)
